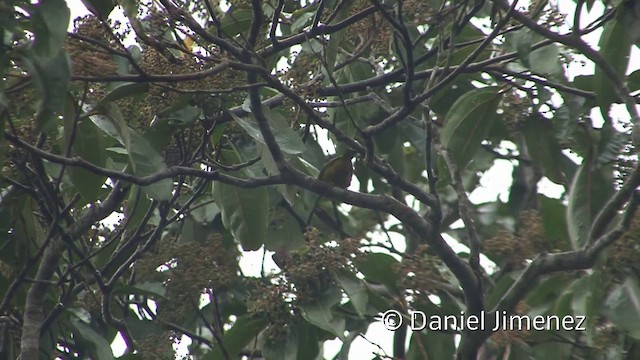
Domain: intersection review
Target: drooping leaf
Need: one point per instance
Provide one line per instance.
(245, 212)
(544, 150)
(301, 19)
(318, 311)
(141, 328)
(51, 76)
(241, 334)
(143, 158)
(554, 222)
(633, 81)
(610, 144)
(50, 20)
(26, 227)
(145, 161)
(468, 122)
(385, 142)
(380, 268)
(101, 8)
(122, 91)
(284, 233)
(588, 193)
(286, 137)
(181, 115)
(469, 33)
(546, 61)
(107, 126)
(615, 47)
(100, 347)
(430, 345)
(284, 347)
(89, 144)
(204, 210)
(336, 38)
(622, 307)
(442, 101)
(355, 290)
(580, 206)
(308, 344)
(235, 22)
(522, 41)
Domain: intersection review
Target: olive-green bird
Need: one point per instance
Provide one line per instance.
(339, 170)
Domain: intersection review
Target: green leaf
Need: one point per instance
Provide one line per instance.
(312, 46)
(245, 212)
(236, 22)
(589, 296)
(181, 115)
(633, 81)
(469, 33)
(241, 334)
(51, 76)
(141, 328)
(622, 307)
(308, 344)
(336, 38)
(468, 122)
(155, 290)
(579, 207)
(191, 230)
(431, 345)
(286, 137)
(89, 144)
(81, 314)
(26, 227)
(385, 141)
(101, 8)
(124, 90)
(588, 193)
(615, 47)
(379, 267)
(547, 293)
(107, 126)
(204, 210)
(143, 158)
(159, 134)
(50, 21)
(284, 232)
(146, 161)
(546, 61)
(554, 222)
(100, 346)
(136, 206)
(355, 290)
(302, 20)
(317, 311)
(544, 150)
(283, 348)
(523, 39)
(610, 144)
(443, 100)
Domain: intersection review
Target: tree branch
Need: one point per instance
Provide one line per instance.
(33, 313)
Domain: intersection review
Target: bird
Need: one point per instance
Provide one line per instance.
(339, 170)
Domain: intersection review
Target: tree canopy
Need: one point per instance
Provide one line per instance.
(151, 146)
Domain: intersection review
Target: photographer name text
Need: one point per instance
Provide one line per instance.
(500, 320)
